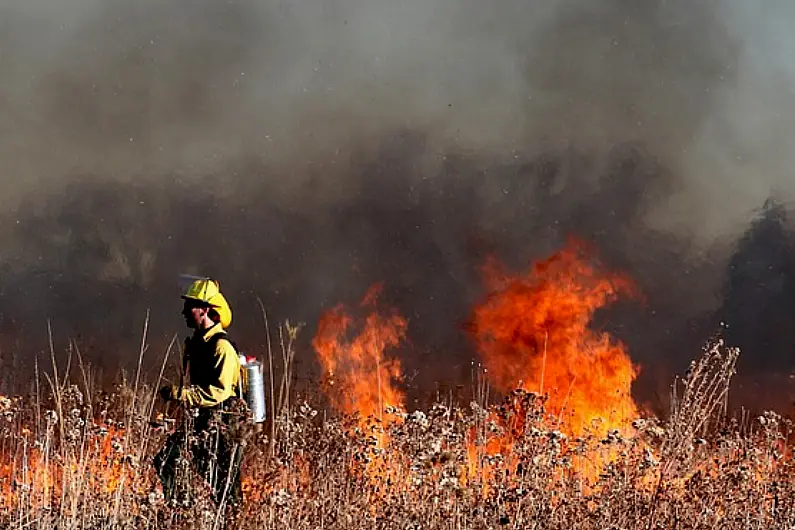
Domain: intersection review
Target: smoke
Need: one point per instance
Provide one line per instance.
(301, 151)
(121, 91)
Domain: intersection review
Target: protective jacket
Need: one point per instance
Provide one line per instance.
(213, 368)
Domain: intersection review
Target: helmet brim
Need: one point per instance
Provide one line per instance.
(197, 301)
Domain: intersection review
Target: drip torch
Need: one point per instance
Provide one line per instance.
(253, 387)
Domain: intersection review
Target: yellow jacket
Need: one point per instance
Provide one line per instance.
(214, 369)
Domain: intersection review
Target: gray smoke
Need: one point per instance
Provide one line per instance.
(302, 151)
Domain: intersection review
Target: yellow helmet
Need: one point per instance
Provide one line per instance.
(209, 292)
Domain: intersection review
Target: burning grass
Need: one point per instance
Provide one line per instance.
(508, 465)
(558, 443)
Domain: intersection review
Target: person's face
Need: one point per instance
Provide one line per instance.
(194, 314)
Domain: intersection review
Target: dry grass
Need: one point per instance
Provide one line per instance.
(70, 462)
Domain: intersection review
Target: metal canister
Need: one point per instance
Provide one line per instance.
(255, 390)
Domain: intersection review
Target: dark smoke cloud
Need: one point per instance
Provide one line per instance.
(302, 151)
(120, 90)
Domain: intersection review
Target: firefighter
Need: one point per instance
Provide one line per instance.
(213, 368)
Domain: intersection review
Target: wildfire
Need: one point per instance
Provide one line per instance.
(533, 333)
(564, 432)
(360, 379)
(39, 476)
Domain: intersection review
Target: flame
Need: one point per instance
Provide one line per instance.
(359, 378)
(37, 475)
(533, 333)
(260, 482)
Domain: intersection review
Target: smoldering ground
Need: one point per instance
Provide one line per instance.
(301, 152)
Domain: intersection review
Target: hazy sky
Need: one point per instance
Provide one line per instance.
(327, 144)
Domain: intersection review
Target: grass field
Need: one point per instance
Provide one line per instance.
(551, 437)
(70, 462)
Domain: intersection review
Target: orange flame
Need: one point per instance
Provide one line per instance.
(533, 333)
(360, 379)
(42, 478)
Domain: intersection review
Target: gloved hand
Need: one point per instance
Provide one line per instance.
(169, 393)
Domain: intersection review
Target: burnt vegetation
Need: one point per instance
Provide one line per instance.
(74, 461)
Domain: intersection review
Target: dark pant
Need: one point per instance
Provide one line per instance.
(207, 450)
